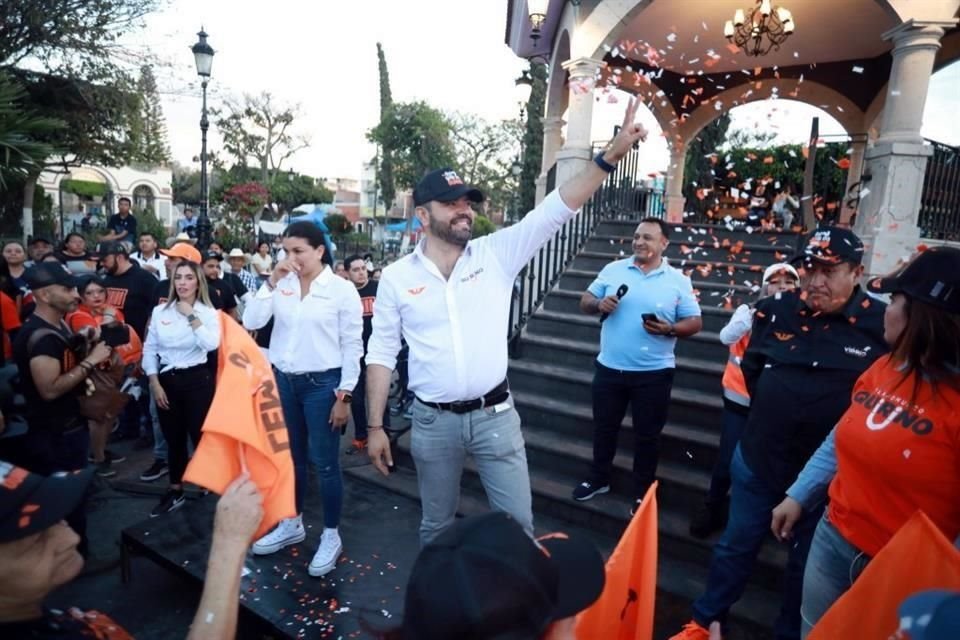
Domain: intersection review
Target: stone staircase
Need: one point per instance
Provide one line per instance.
(551, 379)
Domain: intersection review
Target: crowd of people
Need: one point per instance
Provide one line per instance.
(125, 342)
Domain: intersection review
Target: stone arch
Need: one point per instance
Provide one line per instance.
(108, 177)
(144, 196)
(603, 26)
(812, 93)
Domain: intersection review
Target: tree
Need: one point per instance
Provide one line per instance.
(289, 190)
(21, 153)
(149, 133)
(482, 225)
(185, 184)
(388, 190)
(338, 224)
(75, 38)
(418, 137)
(533, 138)
(699, 165)
(485, 154)
(257, 128)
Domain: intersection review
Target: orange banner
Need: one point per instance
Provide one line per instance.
(624, 610)
(917, 558)
(245, 429)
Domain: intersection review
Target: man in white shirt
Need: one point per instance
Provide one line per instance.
(315, 351)
(450, 300)
(148, 257)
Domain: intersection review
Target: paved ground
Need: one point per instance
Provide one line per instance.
(379, 529)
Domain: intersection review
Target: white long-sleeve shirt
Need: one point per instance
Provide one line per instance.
(319, 331)
(173, 344)
(457, 328)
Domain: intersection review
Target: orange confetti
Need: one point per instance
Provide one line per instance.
(768, 160)
(844, 163)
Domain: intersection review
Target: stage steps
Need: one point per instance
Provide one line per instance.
(551, 379)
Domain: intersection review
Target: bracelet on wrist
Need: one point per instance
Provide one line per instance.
(603, 164)
(371, 427)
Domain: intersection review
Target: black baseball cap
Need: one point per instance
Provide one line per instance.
(30, 502)
(37, 240)
(46, 274)
(932, 277)
(485, 579)
(212, 255)
(112, 249)
(831, 245)
(444, 185)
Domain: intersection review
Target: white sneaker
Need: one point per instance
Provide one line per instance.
(289, 531)
(325, 559)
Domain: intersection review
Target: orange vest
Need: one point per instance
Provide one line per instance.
(734, 386)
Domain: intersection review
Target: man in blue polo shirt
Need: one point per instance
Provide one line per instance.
(644, 305)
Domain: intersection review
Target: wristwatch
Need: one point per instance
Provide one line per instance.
(191, 318)
(345, 397)
(603, 164)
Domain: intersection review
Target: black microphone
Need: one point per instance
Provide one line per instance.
(621, 291)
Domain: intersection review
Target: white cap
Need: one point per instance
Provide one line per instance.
(779, 267)
(183, 235)
(236, 253)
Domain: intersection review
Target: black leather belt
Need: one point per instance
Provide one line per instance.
(495, 396)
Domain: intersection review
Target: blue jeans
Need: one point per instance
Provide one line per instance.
(307, 399)
(440, 442)
(732, 424)
(832, 567)
(734, 555)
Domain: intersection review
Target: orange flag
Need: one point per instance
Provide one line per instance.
(624, 610)
(918, 557)
(244, 429)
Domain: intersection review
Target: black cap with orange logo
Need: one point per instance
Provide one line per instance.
(30, 503)
(932, 277)
(484, 578)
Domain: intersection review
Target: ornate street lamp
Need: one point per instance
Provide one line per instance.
(203, 56)
(524, 86)
(537, 12)
(763, 28)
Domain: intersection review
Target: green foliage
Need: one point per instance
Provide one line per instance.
(338, 224)
(699, 166)
(289, 190)
(148, 135)
(740, 167)
(185, 184)
(418, 138)
(20, 151)
(147, 222)
(485, 153)
(258, 129)
(533, 138)
(84, 188)
(388, 190)
(247, 199)
(482, 225)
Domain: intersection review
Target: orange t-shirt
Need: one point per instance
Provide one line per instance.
(895, 455)
(130, 353)
(11, 321)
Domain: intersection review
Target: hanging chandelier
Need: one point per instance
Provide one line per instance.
(762, 29)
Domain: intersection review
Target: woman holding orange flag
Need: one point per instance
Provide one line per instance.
(897, 448)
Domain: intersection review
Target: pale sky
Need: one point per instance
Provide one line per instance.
(451, 53)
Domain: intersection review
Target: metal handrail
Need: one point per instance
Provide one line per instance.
(620, 197)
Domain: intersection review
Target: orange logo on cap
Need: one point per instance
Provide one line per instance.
(452, 178)
(26, 511)
(783, 336)
(11, 477)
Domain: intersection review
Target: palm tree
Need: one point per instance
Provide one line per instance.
(20, 152)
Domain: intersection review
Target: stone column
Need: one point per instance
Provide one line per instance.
(887, 221)
(577, 150)
(674, 191)
(853, 177)
(552, 142)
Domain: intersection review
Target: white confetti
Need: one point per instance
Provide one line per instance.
(906, 453)
(857, 69)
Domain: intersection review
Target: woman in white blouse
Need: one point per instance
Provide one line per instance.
(262, 261)
(182, 332)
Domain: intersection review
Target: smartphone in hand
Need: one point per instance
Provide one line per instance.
(649, 317)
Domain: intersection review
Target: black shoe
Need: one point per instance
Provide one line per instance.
(709, 519)
(586, 490)
(104, 470)
(143, 442)
(171, 501)
(108, 456)
(157, 470)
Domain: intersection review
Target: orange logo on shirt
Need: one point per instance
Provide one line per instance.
(166, 322)
(286, 292)
(416, 291)
(783, 336)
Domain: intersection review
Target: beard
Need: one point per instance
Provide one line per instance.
(453, 235)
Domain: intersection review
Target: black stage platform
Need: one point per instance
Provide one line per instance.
(277, 596)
